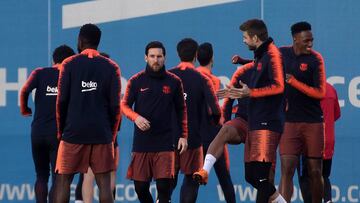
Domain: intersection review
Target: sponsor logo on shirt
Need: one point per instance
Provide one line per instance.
(51, 91)
(166, 89)
(303, 67)
(88, 86)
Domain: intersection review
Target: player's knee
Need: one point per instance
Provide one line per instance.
(315, 173)
(287, 169)
(227, 132)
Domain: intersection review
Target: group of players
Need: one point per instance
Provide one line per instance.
(178, 123)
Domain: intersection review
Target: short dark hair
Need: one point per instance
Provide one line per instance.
(61, 53)
(90, 34)
(155, 44)
(186, 49)
(255, 27)
(299, 27)
(205, 53)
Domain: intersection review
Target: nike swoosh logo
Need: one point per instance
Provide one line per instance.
(262, 180)
(143, 89)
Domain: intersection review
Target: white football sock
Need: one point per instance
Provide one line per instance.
(209, 162)
(279, 199)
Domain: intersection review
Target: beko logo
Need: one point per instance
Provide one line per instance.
(88, 86)
(51, 91)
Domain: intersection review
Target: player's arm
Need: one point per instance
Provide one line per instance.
(180, 109)
(127, 103)
(63, 98)
(30, 84)
(318, 90)
(236, 59)
(181, 113)
(238, 89)
(337, 111)
(115, 94)
(211, 99)
(228, 102)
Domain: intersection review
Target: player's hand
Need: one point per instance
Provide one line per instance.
(236, 59)
(182, 145)
(26, 112)
(142, 123)
(236, 93)
(288, 77)
(220, 94)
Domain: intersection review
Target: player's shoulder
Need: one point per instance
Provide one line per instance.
(39, 71)
(173, 70)
(285, 49)
(172, 76)
(137, 76)
(273, 50)
(70, 59)
(317, 56)
(109, 62)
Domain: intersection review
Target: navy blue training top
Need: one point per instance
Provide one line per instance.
(155, 96)
(306, 87)
(266, 84)
(88, 105)
(44, 80)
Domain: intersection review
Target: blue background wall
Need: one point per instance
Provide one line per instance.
(30, 30)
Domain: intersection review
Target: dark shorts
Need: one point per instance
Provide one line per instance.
(74, 158)
(240, 125)
(303, 138)
(190, 161)
(261, 145)
(145, 166)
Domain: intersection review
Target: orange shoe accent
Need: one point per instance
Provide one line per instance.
(201, 177)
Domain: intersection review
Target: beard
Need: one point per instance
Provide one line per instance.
(155, 66)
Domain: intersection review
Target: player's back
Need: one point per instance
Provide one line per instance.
(44, 122)
(91, 95)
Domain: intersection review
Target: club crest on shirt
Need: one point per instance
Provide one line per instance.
(303, 66)
(166, 89)
(259, 66)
